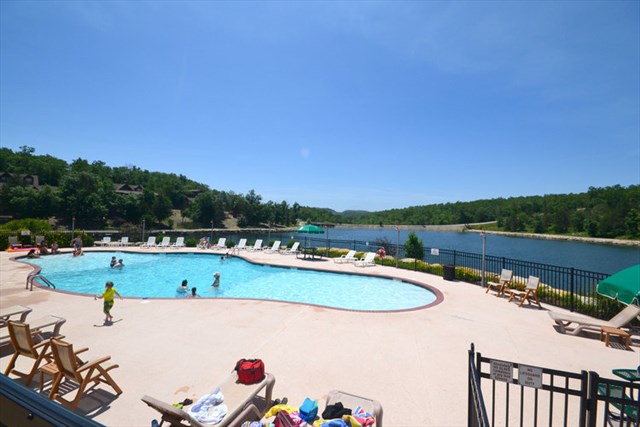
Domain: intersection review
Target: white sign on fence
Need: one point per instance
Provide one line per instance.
(530, 376)
(435, 251)
(502, 371)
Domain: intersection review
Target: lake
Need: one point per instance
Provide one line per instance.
(599, 258)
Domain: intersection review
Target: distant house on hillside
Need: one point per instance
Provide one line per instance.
(25, 179)
(134, 189)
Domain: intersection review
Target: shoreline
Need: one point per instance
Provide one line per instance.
(462, 228)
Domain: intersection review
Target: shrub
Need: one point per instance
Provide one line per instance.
(413, 247)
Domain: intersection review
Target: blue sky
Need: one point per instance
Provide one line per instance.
(344, 105)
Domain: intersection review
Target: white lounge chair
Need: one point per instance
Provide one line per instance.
(179, 243)
(13, 242)
(588, 323)
(14, 310)
(37, 326)
(165, 243)
(349, 257)
(257, 246)
(151, 242)
(274, 248)
(243, 402)
(349, 400)
(222, 243)
(124, 241)
(368, 261)
(242, 244)
(293, 250)
(106, 241)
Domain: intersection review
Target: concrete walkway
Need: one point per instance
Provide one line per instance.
(413, 362)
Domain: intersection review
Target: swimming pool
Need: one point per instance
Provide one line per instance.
(159, 275)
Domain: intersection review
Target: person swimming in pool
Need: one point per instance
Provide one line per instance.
(119, 264)
(216, 280)
(113, 261)
(183, 288)
(194, 293)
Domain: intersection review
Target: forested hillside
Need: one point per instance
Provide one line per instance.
(97, 195)
(611, 212)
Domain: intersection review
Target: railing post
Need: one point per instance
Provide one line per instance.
(572, 301)
(454, 258)
(588, 399)
(470, 399)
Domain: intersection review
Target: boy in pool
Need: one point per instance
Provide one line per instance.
(216, 281)
(194, 293)
(108, 296)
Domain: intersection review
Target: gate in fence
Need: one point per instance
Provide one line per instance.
(503, 393)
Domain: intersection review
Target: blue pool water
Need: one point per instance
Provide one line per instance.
(159, 275)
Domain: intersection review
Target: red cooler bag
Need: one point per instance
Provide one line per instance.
(250, 371)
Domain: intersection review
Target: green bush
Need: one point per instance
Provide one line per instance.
(35, 225)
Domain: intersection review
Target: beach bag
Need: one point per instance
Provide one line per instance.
(250, 371)
(309, 410)
(283, 420)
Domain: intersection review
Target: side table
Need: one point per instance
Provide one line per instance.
(622, 334)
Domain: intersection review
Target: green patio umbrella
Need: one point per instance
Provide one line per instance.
(310, 229)
(623, 286)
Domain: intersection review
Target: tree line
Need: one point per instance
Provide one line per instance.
(86, 191)
(609, 212)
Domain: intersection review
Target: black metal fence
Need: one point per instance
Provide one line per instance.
(525, 395)
(565, 287)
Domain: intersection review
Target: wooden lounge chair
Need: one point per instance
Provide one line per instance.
(22, 341)
(503, 283)
(369, 260)
(243, 403)
(352, 401)
(349, 257)
(7, 312)
(37, 327)
(71, 368)
(529, 294)
(588, 323)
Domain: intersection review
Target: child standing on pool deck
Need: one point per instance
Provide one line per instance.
(108, 295)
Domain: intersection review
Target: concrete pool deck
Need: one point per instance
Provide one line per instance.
(413, 362)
